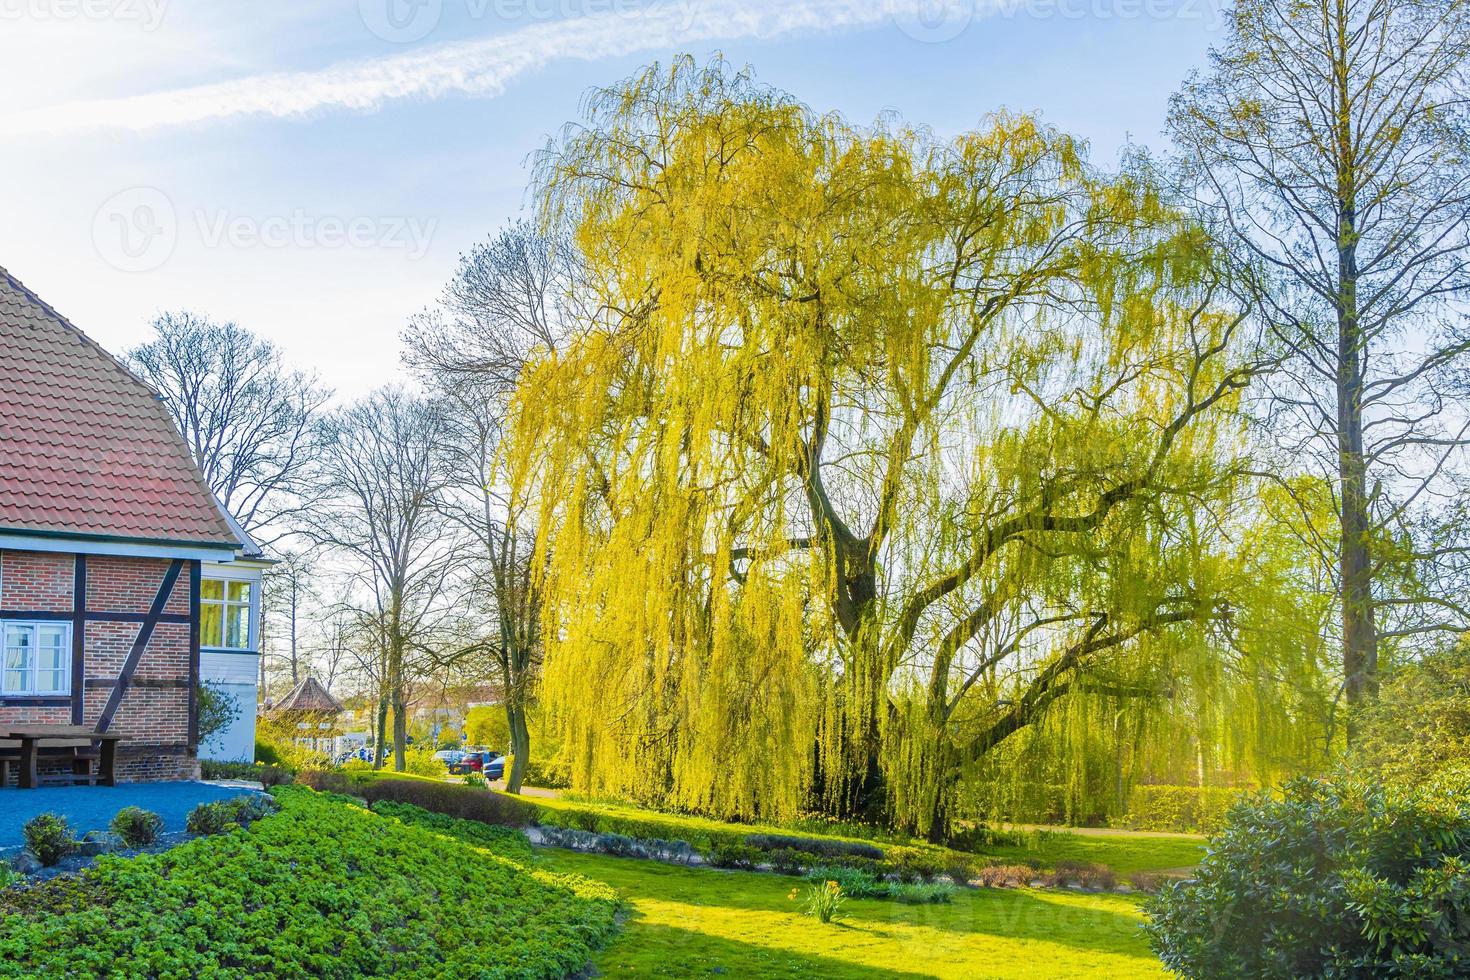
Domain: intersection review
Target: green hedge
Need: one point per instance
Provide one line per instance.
(321, 889)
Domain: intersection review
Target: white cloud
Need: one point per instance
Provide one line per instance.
(482, 68)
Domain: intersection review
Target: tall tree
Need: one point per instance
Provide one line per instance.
(247, 417)
(511, 298)
(1327, 144)
(382, 487)
(894, 446)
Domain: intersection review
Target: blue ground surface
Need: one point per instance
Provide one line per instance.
(92, 807)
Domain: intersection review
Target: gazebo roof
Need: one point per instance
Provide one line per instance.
(310, 696)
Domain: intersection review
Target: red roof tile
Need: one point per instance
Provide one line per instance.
(86, 447)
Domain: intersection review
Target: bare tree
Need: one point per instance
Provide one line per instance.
(383, 488)
(1328, 144)
(511, 297)
(246, 416)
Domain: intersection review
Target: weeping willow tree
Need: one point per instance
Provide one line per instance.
(882, 450)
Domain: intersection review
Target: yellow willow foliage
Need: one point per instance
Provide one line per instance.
(882, 448)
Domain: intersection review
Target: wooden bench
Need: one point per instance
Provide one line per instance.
(25, 746)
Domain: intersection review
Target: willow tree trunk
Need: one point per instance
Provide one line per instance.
(380, 734)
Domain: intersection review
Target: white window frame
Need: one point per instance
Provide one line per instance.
(35, 627)
(225, 604)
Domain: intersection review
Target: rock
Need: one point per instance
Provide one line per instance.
(99, 842)
(25, 863)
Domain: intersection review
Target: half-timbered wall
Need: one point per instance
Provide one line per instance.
(135, 652)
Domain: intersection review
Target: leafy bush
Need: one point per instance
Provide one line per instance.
(820, 846)
(136, 826)
(8, 875)
(449, 799)
(918, 863)
(476, 779)
(1147, 881)
(1333, 878)
(266, 752)
(49, 837)
(1418, 728)
(1007, 876)
(1181, 809)
(736, 856)
(266, 775)
(1080, 874)
(322, 890)
(854, 882)
(921, 893)
(209, 818)
(215, 710)
(328, 780)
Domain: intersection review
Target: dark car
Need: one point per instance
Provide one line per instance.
(495, 768)
(477, 762)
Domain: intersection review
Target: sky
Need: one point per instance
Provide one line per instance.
(312, 170)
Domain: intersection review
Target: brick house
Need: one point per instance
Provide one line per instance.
(123, 584)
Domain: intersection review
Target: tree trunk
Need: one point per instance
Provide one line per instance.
(400, 728)
(520, 744)
(381, 726)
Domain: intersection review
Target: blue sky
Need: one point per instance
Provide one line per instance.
(313, 169)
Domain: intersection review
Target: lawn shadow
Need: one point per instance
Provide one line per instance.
(1014, 913)
(670, 951)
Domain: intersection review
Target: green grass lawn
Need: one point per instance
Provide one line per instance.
(695, 922)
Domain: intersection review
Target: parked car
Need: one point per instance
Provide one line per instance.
(449, 756)
(495, 768)
(475, 762)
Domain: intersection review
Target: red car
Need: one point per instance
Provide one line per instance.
(489, 763)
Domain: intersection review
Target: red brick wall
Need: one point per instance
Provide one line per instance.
(35, 581)
(153, 715)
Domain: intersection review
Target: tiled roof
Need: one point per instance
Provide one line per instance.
(309, 695)
(86, 447)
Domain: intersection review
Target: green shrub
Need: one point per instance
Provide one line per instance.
(1180, 809)
(49, 837)
(1007, 876)
(736, 856)
(463, 802)
(321, 890)
(824, 900)
(821, 846)
(209, 818)
(8, 875)
(637, 825)
(476, 779)
(921, 893)
(265, 752)
(266, 775)
(917, 863)
(328, 780)
(854, 882)
(137, 827)
(1333, 878)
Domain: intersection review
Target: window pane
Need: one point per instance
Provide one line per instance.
(212, 589)
(211, 625)
(53, 680)
(51, 658)
(239, 591)
(238, 627)
(17, 648)
(17, 681)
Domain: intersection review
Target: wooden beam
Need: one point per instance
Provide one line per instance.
(145, 634)
(78, 639)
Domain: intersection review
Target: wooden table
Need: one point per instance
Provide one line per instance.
(35, 740)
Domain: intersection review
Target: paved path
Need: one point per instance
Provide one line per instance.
(92, 807)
